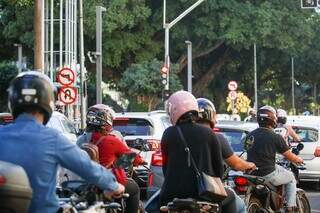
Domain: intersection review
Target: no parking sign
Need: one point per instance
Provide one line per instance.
(68, 95)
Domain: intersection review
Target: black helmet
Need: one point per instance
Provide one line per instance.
(31, 91)
(207, 111)
(100, 115)
(267, 116)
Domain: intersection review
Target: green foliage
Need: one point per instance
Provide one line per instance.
(8, 71)
(144, 82)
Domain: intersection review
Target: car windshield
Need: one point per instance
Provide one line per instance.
(68, 126)
(306, 134)
(234, 137)
(133, 126)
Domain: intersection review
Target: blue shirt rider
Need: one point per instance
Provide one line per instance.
(39, 149)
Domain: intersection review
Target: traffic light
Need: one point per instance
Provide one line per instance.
(164, 75)
(309, 3)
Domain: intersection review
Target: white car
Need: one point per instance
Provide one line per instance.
(309, 133)
(61, 123)
(148, 126)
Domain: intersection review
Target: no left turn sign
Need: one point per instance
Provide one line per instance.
(66, 76)
(68, 95)
(232, 86)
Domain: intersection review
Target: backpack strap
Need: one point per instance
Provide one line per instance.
(98, 141)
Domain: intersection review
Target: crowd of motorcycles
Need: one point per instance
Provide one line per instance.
(259, 195)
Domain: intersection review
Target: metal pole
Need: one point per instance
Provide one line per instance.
(99, 11)
(61, 36)
(51, 38)
(292, 85)
(189, 44)
(166, 55)
(19, 56)
(167, 28)
(82, 79)
(255, 78)
(315, 97)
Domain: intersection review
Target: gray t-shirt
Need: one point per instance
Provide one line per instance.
(226, 149)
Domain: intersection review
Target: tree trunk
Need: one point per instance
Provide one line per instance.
(38, 35)
(204, 81)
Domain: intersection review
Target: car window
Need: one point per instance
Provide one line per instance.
(68, 126)
(133, 126)
(307, 134)
(234, 137)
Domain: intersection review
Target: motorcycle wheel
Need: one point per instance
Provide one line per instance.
(303, 203)
(255, 206)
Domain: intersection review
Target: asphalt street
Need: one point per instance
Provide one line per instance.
(313, 195)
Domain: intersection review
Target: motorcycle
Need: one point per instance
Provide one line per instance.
(188, 205)
(79, 196)
(263, 196)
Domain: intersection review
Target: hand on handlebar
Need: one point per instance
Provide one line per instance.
(299, 160)
(115, 194)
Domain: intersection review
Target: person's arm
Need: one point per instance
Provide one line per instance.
(73, 158)
(239, 164)
(293, 134)
(217, 160)
(284, 149)
(292, 157)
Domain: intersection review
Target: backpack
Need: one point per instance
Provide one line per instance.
(92, 148)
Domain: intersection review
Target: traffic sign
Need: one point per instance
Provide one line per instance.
(66, 76)
(309, 4)
(68, 95)
(232, 95)
(232, 85)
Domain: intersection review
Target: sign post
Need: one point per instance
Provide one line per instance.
(232, 86)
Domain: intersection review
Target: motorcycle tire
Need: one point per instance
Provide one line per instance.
(255, 206)
(303, 203)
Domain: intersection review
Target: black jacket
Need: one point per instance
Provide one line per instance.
(180, 180)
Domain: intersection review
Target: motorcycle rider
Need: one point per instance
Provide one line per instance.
(207, 117)
(99, 125)
(180, 180)
(284, 129)
(263, 144)
(38, 149)
(252, 116)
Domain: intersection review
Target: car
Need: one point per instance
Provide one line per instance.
(5, 118)
(145, 126)
(233, 131)
(309, 134)
(61, 123)
(57, 121)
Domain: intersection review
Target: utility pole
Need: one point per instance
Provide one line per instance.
(255, 77)
(292, 85)
(189, 44)
(83, 88)
(99, 11)
(38, 35)
(167, 27)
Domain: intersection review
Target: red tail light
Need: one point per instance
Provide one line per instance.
(156, 159)
(241, 181)
(241, 184)
(154, 145)
(317, 152)
(216, 129)
(2, 180)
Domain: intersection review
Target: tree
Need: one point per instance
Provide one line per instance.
(142, 82)
(8, 71)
